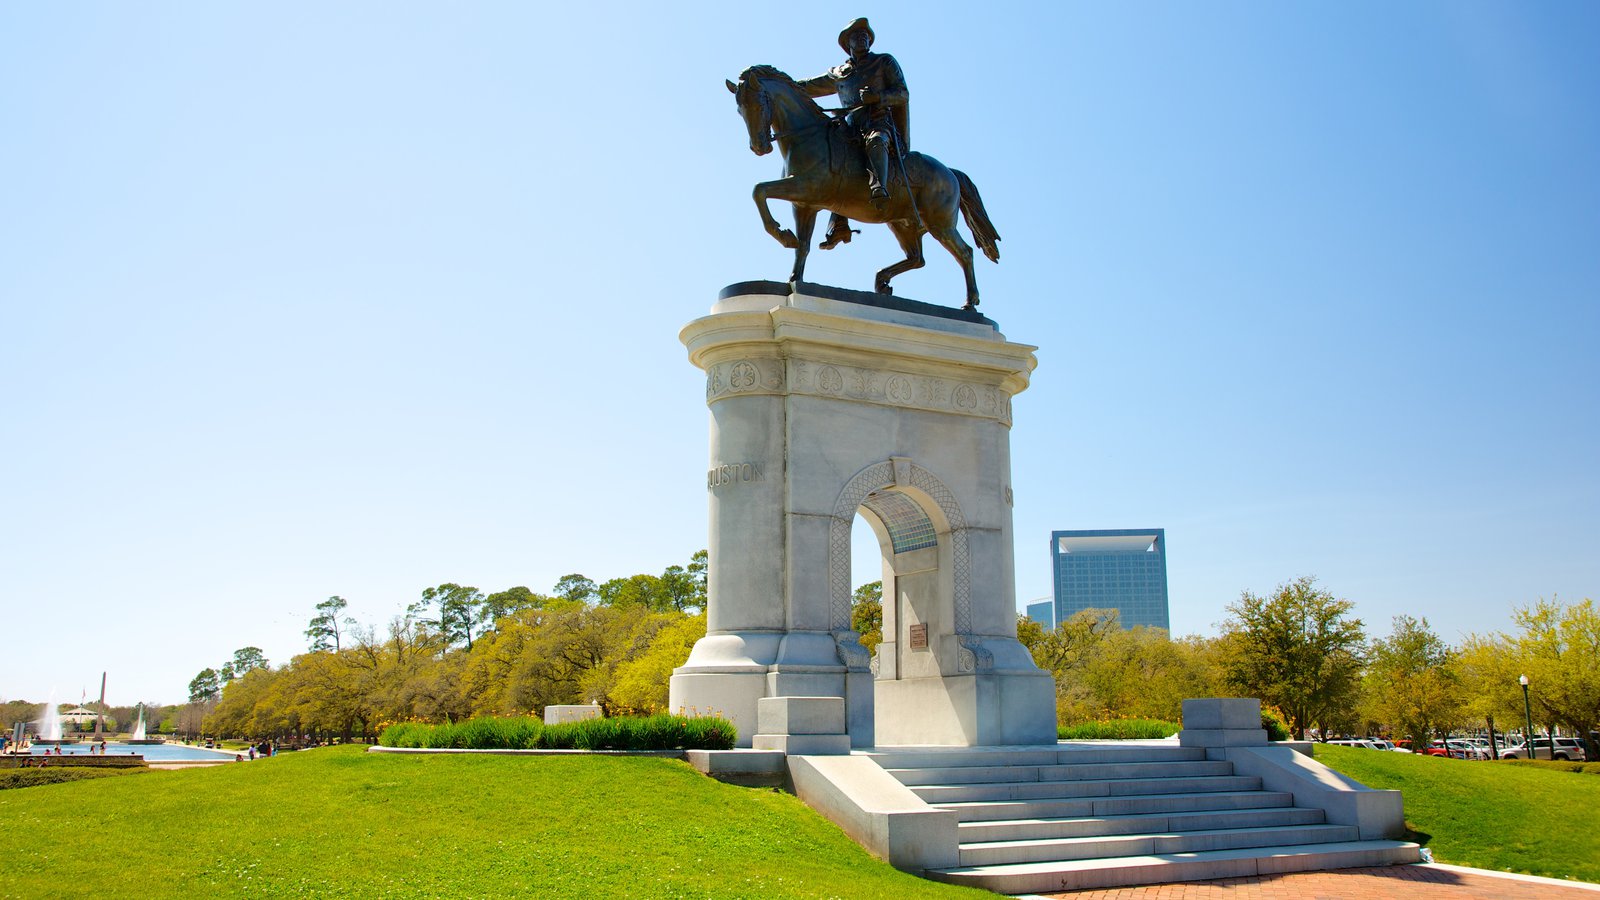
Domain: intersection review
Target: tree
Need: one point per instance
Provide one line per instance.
(500, 604)
(1558, 647)
(647, 591)
(461, 610)
(327, 626)
(1414, 682)
(247, 658)
(576, 588)
(699, 569)
(866, 614)
(641, 683)
(1296, 649)
(1065, 649)
(204, 687)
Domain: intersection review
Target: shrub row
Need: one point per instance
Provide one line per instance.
(21, 778)
(661, 732)
(1118, 730)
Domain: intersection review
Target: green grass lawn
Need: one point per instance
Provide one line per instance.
(1488, 815)
(341, 822)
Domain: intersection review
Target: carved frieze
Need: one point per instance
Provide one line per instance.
(891, 388)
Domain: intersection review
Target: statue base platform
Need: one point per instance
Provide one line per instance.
(828, 404)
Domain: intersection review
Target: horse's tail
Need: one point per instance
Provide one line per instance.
(977, 218)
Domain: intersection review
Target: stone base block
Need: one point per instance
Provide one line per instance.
(556, 715)
(990, 709)
(1222, 737)
(804, 744)
(748, 768)
(801, 715)
(1222, 713)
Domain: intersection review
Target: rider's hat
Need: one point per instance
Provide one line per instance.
(858, 25)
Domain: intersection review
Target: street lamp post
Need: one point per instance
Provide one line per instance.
(1527, 710)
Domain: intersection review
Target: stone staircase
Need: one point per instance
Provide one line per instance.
(1089, 815)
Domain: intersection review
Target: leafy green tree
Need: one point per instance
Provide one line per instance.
(1029, 632)
(641, 683)
(247, 659)
(205, 686)
(226, 673)
(1140, 672)
(327, 626)
(503, 603)
(1558, 647)
(699, 567)
(1414, 682)
(1296, 649)
(14, 711)
(576, 588)
(866, 614)
(645, 591)
(1065, 649)
(460, 611)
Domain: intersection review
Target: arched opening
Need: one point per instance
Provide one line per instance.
(905, 542)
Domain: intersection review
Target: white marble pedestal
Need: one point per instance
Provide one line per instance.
(822, 407)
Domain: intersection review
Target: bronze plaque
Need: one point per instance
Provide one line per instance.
(919, 637)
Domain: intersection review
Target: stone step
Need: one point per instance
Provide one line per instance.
(1072, 875)
(1042, 828)
(1064, 754)
(1145, 804)
(1120, 845)
(1074, 772)
(1061, 790)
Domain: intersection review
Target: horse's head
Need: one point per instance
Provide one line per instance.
(755, 107)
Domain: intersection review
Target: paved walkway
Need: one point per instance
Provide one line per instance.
(1424, 882)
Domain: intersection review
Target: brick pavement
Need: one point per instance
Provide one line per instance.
(1407, 882)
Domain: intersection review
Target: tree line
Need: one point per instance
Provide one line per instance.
(1310, 660)
(458, 652)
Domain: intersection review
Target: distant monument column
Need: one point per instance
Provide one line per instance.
(825, 404)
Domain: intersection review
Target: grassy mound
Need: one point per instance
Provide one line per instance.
(344, 823)
(1530, 818)
(660, 732)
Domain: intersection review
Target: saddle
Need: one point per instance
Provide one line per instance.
(845, 142)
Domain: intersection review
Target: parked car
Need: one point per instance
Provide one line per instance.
(1457, 749)
(1566, 749)
(1389, 745)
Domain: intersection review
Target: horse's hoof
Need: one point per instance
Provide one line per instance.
(885, 289)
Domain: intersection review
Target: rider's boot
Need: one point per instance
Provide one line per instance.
(877, 171)
(839, 232)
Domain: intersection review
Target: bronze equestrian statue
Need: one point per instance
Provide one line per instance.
(858, 168)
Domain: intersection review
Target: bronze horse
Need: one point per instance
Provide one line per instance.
(821, 170)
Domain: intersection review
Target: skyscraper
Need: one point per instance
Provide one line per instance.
(1124, 569)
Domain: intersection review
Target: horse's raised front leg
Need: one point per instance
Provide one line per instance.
(805, 221)
(791, 189)
(910, 237)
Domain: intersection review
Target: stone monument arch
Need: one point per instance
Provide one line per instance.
(825, 404)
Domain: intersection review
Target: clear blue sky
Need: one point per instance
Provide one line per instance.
(311, 299)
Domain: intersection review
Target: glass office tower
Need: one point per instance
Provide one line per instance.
(1123, 569)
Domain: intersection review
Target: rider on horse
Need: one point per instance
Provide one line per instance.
(872, 87)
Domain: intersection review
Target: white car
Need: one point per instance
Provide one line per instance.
(1566, 749)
